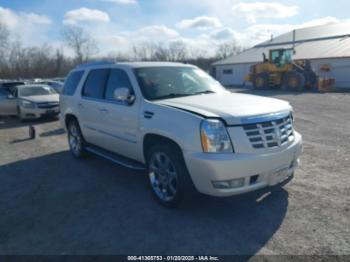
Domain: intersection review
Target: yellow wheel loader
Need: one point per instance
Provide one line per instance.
(279, 71)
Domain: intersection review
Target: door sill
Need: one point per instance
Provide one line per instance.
(115, 158)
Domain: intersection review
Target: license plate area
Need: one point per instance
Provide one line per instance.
(52, 111)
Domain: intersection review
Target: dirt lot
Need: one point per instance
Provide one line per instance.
(53, 204)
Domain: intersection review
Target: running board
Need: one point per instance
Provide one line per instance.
(115, 158)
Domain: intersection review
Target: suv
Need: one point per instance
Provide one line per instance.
(181, 126)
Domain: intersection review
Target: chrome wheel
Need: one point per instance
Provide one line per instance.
(163, 176)
(74, 139)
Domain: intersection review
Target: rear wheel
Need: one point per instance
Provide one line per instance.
(261, 81)
(168, 176)
(75, 139)
(294, 81)
(19, 114)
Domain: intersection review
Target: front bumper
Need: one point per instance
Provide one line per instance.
(34, 113)
(264, 168)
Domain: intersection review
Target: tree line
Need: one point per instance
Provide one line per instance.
(18, 61)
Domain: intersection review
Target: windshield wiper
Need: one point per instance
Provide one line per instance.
(204, 92)
(172, 95)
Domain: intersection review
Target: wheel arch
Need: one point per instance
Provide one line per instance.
(69, 117)
(152, 139)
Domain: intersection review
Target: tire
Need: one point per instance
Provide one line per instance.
(261, 81)
(293, 81)
(168, 177)
(19, 114)
(76, 140)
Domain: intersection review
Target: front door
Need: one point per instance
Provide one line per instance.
(121, 120)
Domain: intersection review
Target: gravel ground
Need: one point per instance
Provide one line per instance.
(53, 204)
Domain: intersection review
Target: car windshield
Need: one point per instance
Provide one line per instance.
(35, 91)
(170, 82)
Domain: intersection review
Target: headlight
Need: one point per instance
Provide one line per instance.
(214, 137)
(27, 104)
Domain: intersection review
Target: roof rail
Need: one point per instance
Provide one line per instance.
(97, 63)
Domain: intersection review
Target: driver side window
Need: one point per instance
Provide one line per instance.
(117, 79)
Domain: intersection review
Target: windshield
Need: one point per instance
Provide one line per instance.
(170, 82)
(35, 91)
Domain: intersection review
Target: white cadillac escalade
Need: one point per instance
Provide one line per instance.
(181, 126)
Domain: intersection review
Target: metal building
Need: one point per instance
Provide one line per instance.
(325, 46)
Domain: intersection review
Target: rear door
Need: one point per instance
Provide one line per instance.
(91, 109)
(8, 103)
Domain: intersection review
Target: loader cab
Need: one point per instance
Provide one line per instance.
(281, 57)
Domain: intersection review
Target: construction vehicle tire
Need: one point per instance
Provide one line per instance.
(293, 81)
(261, 81)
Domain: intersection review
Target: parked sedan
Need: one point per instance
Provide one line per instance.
(35, 101)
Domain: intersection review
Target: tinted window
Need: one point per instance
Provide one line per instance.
(95, 82)
(71, 84)
(117, 79)
(4, 92)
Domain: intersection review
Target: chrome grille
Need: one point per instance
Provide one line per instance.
(48, 105)
(270, 134)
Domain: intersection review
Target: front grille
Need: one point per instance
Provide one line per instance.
(48, 105)
(270, 134)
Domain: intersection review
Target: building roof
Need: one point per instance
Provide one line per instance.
(327, 41)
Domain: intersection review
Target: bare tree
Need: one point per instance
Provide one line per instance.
(177, 51)
(82, 44)
(227, 49)
(4, 39)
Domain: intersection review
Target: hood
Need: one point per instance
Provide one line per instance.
(234, 108)
(42, 99)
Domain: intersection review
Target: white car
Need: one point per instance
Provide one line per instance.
(35, 101)
(181, 126)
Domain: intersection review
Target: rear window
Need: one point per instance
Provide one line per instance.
(71, 84)
(95, 83)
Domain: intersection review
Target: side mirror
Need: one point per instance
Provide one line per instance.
(10, 96)
(123, 95)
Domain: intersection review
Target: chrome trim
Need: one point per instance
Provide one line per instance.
(265, 118)
(108, 101)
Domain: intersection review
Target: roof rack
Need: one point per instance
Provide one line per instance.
(97, 63)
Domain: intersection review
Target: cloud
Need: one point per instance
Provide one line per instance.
(121, 2)
(31, 28)
(14, 19)
(200, 22)
(157, 32)
(223, 33)
(38, 19)
(75, 16)
(253, 11)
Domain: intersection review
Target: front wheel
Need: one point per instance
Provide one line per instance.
(168, 176)
(75, 139)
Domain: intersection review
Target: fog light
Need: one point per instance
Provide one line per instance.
(237, 182)
(234, 183)
(222, 184)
